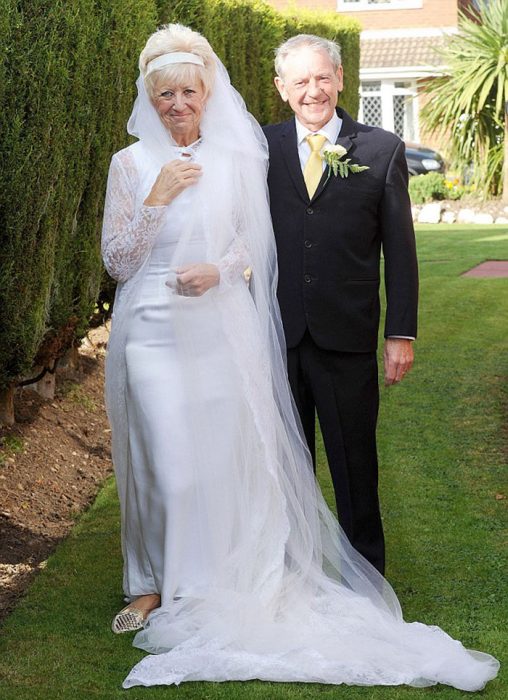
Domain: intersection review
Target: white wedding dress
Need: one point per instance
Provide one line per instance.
(221, 514)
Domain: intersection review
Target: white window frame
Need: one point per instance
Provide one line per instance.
(364, 5)
(386, 91)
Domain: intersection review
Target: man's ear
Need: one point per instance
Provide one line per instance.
(279, 84)
(340, 78)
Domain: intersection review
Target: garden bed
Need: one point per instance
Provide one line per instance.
(52, 464)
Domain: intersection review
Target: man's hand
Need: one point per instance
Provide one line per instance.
(195, 280)
(398, 359)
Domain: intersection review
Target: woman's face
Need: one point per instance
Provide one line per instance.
(180, 108)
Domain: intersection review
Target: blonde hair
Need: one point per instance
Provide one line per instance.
(176, 37)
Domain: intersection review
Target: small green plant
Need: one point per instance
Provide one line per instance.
(10, 445)
(425, 188)
(455, 188)
(76, 393)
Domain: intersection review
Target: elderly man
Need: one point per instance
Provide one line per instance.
(330, 228)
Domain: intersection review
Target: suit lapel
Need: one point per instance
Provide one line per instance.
(346, 139)
(289, 149)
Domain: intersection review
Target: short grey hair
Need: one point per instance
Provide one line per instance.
(311, 41)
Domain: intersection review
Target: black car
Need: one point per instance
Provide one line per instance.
(422, 160)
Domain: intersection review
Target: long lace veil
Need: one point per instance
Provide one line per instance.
(289, 581)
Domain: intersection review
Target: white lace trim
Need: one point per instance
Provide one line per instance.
(128, 233)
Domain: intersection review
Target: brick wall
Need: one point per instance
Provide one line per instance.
(327, 5)
(438, 143)
(434, 13)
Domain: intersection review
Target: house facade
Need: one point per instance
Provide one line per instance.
(400, 44)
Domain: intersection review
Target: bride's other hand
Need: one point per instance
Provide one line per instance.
(173, 178)
(195, 280)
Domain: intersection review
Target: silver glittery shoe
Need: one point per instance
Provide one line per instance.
(128, 620)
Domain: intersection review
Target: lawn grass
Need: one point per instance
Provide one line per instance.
(441, 454)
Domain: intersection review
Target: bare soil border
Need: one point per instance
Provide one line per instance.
(53, 462)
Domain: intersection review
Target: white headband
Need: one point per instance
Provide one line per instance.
(169, 58)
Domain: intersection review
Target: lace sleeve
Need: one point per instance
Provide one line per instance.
(127, 235)
(235, 263)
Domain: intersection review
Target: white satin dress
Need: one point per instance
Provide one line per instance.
(175, 491)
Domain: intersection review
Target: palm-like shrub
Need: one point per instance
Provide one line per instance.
(469, 101)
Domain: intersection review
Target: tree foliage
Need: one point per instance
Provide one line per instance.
(468, 101)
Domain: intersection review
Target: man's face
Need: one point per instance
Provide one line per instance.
(311, 86)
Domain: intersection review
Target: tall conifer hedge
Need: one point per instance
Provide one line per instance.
(68, 71)
(67, 74)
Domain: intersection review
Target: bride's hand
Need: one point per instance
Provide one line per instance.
(195, 280)
(173, 178)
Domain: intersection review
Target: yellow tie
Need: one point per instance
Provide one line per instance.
(314, 166)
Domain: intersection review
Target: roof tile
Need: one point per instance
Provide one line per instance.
(401, 51)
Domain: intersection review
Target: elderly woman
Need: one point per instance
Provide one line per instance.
(234, 568)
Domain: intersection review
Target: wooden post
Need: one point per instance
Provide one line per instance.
(7, 406)
(45, 386)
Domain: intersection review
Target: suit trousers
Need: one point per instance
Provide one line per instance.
(343, 388)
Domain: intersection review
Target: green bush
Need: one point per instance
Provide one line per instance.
(425, 188)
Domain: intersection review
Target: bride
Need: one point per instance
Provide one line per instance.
(234, 568)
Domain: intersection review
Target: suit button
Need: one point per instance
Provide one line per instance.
(307, 278)
(310, 210)
(307, 244)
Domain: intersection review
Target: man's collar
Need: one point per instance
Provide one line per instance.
(331, 129)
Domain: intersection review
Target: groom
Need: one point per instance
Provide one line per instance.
(330, 231)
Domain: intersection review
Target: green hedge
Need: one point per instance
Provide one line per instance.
(67, 74)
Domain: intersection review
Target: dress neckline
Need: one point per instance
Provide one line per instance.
(191, 148)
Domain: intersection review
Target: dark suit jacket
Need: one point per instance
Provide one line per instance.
(329, 248)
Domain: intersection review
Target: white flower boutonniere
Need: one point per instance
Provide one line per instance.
(333, 156)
